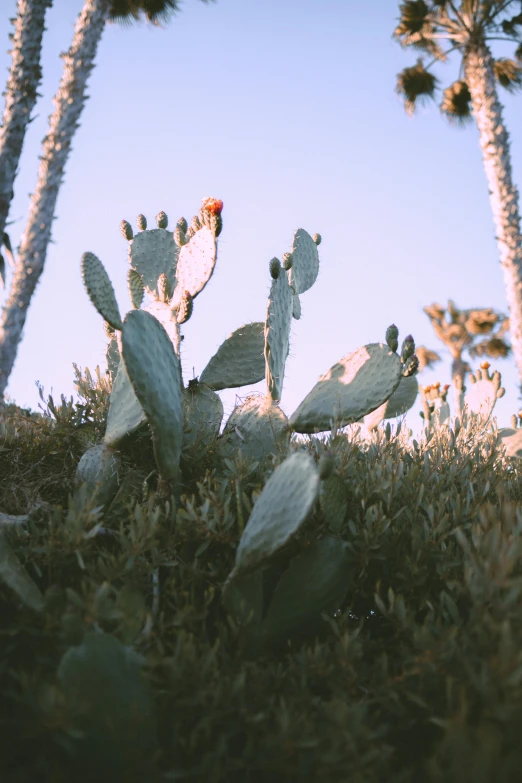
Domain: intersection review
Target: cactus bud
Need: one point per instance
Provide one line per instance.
(162, 220)
(411, 366)
(195, 223)
(126, 230)
(182, 224)
(216, 224)
(185, 308)
(514, 421)
(317, 239)
(136, 288)
(485, 366)
(180, 238)
(287, 261)
(107, 328)
(275, 268)
(164, 288)
(408, 348)
(141, 222)
(392, 335)
(326, 465)
(189, 233)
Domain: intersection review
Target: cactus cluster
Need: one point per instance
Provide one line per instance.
(144, 356)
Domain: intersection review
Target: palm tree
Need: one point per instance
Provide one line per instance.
(69, 102)
(468, 27)
(21, 94)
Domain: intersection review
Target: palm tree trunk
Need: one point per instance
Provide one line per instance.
(69, 102)
(494, 142)
(21, 93)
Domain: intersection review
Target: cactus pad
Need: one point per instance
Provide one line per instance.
(155, 373)
(277, 334)
(99, 468)
(296, 307)
(14, 575)
(100, 290)
(239, 360)
(202, 416)
(152, 253)
(305, 262)
(125, 415)
(484, 391)
(255, 429)
(316, 581)
(279, 512)
(356, 385)
(136, 288)
(113, 358)
(196, 262)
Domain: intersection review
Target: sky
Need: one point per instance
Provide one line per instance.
(287, 111)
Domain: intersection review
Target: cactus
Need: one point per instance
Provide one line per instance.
(136, 288)
(277, 333)
(14, 575)
(125, 416)
(333, 501)
(196, 262)
(402, 399)
(511, 437)
(100, 290)
(239, 361)
(279, 512)
(154, 370)
(202, 416)
(355, 386)
(110, 708)
(305, 262)
(256, 428)
(112, 356)
(296, 307)
(98, 469)
(152, 253)
(484, 392)
(435, 407)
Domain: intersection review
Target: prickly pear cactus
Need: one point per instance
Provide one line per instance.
(110, 710)
(100, 290)
(202, 416)
(14, 575)
(125, 416)
(435, 406)
(511, 437)
(196, 263)
(152, 253)
(279, 512)
(333, 501)
(99, 469)
(239, 360)
(136, 288)
(305, 262)
(358, 384)
(484, 391)
(255, 429)
(154, 370)
(112, 356)
(277, 332)
(402, 399)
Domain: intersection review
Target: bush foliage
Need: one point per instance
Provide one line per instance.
(135, 671)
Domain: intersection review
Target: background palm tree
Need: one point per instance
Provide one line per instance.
(467, 27)
(69, 102)
(25, 75)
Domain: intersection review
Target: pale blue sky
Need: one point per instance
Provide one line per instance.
(286, 110)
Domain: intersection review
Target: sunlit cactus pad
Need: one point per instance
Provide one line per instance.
(277, 333)
(305, 262)
(483, 392)
(100, 290)
(351, 388)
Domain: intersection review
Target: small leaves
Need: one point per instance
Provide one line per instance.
(415, 83)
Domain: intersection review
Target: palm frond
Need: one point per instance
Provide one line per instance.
(508, 73)
(154, 11)
(414, 14)
(456, 103)
(415, 83)
(509, 25)
(518, 52)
